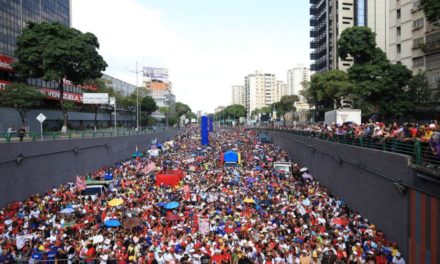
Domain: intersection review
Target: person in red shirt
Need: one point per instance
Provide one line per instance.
(90, 255)
(381, 258)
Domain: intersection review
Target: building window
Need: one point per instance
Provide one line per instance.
(399, 48)
(399, 31)
(418, 61)
(398, 13)
(419, 23)
(418, 42)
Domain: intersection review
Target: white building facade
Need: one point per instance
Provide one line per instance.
(296, 78)
(260, 88)
(239, 95)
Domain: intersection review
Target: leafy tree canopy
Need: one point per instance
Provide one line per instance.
(21, 97)
(359, 43)
(148, 105)
(431, 8)
(53, 52)
(182, 109)
(329, 86)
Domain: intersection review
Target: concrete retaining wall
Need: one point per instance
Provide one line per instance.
(362, 177)
(50, 163)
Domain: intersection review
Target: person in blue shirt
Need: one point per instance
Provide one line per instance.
(36, 256)
(51, 254)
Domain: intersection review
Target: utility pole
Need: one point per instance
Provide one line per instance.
(137, 95)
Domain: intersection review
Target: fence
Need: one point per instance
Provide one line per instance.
(423, 153)
(36, 136)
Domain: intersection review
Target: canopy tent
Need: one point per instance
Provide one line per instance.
(231, 156)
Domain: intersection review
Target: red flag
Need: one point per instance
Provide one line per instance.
(80, 183)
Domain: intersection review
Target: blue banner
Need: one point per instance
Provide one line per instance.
(204, 131)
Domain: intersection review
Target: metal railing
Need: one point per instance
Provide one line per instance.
(45, 136)
(422, 152)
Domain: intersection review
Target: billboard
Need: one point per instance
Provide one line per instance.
(95, 98)
(160, 74)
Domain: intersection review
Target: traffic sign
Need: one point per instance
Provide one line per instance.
(41, 118)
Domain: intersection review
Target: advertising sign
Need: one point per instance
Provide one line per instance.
(55, 94)
(95, 98)
(160, 74)
(5, 63)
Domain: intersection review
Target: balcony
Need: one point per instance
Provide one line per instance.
(313, 22)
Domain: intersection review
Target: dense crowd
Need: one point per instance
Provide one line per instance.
(427, 133)
(249, 213)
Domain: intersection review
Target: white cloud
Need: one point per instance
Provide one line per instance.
(202, 69)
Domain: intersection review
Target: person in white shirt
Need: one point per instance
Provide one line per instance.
(398, 259)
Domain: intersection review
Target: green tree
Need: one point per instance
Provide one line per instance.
(359, 43)
(382, 88)
(148, 105)
(329, 86)
(182, 109)
(431, 8)
(53, 52)
(235, 111)
(191, 115)
(165, 110)
(419, 88)
(285, 105)
(21, 97)
(148, 121)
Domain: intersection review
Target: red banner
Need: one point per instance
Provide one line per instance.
(170, 178)
(5, 63)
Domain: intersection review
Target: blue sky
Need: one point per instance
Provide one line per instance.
(208, 46)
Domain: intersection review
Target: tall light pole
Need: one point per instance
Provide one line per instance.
(137, 96)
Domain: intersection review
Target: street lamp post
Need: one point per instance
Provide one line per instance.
(137, 96)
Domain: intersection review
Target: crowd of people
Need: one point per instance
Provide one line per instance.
(248, 213)
(427, 133)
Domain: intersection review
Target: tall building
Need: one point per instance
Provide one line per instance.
(295, 79)
(374, 14)
(331, 17)
(414, 42)
(162, 94)
(407, 32)
(280, 91)
(14, 14)
(124, 88)
(260, 89)
(239, 95)
(219, 109)
(160, 89)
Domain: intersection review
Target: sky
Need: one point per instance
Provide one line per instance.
(207, 45)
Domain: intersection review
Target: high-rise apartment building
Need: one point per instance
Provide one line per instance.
(280, 91)
(296, 78)
(14, 14)
(260, 89)
(331, 17)
(239, 95)
(414, 42)
(374, 14)
(407, 33)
